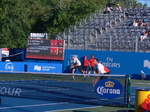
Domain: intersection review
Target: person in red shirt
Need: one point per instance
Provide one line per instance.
(85, 65)
(91, 61)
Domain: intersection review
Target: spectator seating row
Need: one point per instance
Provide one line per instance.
(88, 29)
(109, 32)
(126, 37)
(137, 11)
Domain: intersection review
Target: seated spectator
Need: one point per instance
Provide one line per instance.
(145, 35)
(144, 23)
(108, 9)
(118, 7)
(136, 23)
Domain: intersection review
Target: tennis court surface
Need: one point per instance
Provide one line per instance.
(49, 92)
(11, 104)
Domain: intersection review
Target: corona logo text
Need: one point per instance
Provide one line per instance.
(108, 88)
(102, 90)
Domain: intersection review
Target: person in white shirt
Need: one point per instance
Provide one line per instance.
(136, 23)
(118, 7)
(100, 69)
(75, 63)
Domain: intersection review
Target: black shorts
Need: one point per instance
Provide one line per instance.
(79, 68)
(92, 69)
(104, 77)
(85, 68)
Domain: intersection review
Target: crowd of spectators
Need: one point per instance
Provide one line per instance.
(137, 22)
(109, 8)
(134, 23)
(116, 7)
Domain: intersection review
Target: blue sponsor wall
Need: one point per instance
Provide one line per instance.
(31, 67)
(118, 62)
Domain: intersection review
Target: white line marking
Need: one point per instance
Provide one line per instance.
(37, 105)
(142, 83)
(74, 108)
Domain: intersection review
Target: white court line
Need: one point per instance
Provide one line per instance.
(142, 83)
(37, 105)
(74, 109)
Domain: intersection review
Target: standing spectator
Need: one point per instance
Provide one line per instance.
(144, 35)
(92, 68)
(75, 63)
(118, 7)
(85, 65)
(100, 69)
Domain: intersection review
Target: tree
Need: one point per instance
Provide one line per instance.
(15, 24)
(19, 18)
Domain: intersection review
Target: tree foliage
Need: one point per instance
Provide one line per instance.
(21, 17)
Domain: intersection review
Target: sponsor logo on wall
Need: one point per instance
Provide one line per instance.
(147, 64)
(110, 62)
(43, 68)
(9, 67)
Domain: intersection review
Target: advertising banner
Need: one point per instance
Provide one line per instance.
(44, 67)
(12, 66)
(30, 67)
(142, 101)
(130, 63)
(109, 88)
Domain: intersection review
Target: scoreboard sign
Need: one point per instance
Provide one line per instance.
(45, 49)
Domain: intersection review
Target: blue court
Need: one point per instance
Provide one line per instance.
(10, 104)
(44, 93)
(78, 91)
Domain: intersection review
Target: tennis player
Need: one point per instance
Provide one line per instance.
(100, 69)
(74, 64)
